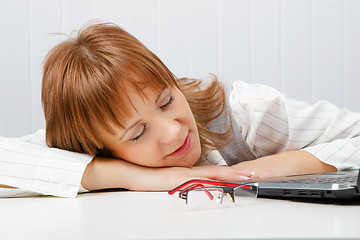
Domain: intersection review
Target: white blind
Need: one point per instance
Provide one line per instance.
(308, 49)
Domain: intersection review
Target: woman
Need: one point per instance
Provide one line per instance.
(106, 95)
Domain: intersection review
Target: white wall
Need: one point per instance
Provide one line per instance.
(309, 49)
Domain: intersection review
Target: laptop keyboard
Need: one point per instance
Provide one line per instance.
(339, 179)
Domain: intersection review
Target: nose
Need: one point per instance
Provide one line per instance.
(170, 130)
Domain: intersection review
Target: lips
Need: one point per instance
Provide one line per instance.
(183, 149)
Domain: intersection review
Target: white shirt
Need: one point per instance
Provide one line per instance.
(270, 123)
(28, 164)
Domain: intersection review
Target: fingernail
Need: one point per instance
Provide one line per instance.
(247, 173)
(242, 178)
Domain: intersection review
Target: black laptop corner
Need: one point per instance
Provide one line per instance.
(333, 185)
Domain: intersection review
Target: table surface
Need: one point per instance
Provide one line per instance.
(156, 215)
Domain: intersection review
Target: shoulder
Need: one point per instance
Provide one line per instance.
(249, 94)
(243, 90)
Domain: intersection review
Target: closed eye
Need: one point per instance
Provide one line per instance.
(140, 135)
(171, 99)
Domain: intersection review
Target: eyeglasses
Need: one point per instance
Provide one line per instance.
(204, 194)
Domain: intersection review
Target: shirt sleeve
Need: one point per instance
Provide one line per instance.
(272, 123)
(28, 164)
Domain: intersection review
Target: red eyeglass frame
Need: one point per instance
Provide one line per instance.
(200, 184)
(209, 182)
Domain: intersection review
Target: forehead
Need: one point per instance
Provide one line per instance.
(133, 102)
(138, 99)
(143, 96)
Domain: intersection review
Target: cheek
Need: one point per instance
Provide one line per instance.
(140, 153)
(126, 152)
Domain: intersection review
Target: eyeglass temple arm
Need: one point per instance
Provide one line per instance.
(183, 193)
(201, 181)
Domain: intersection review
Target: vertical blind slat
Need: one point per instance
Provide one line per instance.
(326, 50)
(15, 85)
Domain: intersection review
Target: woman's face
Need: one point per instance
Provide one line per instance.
(161, 131)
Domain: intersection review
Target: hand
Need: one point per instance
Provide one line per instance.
(160, 179)
(283, 164)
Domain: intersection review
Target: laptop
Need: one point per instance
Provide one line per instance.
(332, 185)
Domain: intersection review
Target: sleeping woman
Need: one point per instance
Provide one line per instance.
(116, 116)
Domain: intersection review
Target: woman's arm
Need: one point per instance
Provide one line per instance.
(114, 173)
(285, 163)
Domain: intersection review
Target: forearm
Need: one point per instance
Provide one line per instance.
(104, 173)
(285, 163)
(300, 162)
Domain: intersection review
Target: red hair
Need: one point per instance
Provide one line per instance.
(85, 80)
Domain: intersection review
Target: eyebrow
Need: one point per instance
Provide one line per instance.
(138, 121)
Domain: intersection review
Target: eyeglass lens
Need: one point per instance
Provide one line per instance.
(199, 198)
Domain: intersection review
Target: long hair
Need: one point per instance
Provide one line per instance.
(85, 80)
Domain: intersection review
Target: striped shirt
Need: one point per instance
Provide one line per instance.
(272, 123)
(28, 164)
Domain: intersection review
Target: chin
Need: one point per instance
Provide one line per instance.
(192, 159)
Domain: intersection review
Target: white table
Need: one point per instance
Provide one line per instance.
(136, 215)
